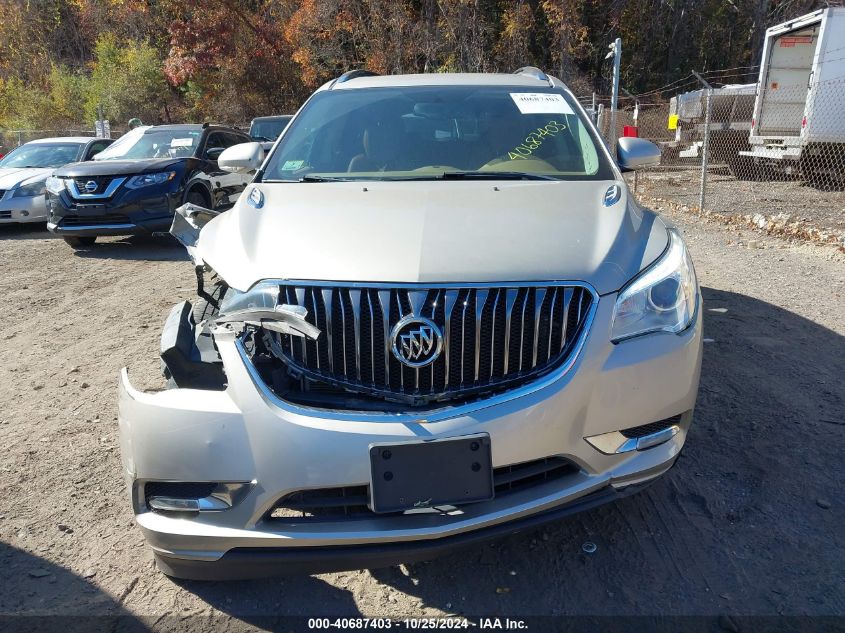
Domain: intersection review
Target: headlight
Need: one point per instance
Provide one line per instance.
(145, 180)
(661, 299)
(262, 295)
(30, 189)
(55, 185)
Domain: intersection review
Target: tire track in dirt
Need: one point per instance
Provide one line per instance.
(738, 514)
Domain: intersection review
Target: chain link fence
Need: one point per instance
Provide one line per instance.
(776, 162)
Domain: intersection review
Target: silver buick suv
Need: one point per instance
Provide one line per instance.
(436, 316)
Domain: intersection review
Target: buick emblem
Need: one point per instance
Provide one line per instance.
(91, 186)
(612, 195)
(416, 341)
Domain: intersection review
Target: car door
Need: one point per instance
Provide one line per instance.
(245, 179)
(95, 148)
(227, 186)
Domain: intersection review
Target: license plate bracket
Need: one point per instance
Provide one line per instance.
(90, 208)
(430, 473)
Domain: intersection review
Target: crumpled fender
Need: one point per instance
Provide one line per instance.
(187, 224)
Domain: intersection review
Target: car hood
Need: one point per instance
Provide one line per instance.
(115, 167)
(434, 231)
(11, 177)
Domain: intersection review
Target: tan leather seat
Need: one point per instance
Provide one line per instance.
(380, 143)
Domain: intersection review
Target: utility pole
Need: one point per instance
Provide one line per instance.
(705, 144)
(616, 53)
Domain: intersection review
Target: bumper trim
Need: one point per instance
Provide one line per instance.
(242, 563)
(58, 228)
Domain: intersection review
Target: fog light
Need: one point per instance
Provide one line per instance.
(638, 438)
(187, 496)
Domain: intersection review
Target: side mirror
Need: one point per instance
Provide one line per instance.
(636, 153)
(242, 158)
(213, 153)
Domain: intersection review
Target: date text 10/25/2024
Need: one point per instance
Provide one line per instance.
(502, 624)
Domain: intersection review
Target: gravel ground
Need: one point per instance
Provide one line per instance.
(801, 202)
(749, 522)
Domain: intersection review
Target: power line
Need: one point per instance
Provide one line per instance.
(667, 86)
(724, 70)
(690, 80)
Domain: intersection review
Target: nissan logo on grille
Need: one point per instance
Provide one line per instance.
(416, 341)
(91, 186)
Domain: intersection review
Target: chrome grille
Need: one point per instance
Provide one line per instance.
(495, 337)
(102, 183)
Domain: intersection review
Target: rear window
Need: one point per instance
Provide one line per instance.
(420, 132)
(268, 129)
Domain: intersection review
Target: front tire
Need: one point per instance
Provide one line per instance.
(196, 198)
(77, 243)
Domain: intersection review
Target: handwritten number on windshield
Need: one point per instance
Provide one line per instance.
(535, 139)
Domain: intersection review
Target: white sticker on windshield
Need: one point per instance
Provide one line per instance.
(181, 142)
(540, 103)
(290, 165)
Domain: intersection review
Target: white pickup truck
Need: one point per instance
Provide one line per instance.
(799, 113)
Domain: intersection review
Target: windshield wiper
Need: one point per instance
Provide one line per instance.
(322, 179)
(493, 175)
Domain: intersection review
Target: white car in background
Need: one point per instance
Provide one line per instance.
(24, 171)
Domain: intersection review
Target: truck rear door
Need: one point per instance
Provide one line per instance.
(787, 80)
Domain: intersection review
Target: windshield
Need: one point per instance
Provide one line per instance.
(41, 155)
(437, 132)
(150, 142)
(268, 129)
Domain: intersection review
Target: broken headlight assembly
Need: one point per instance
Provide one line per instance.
(661, 299)
(259, 306)
(262, 295)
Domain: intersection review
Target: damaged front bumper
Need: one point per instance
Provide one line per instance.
(243, 434)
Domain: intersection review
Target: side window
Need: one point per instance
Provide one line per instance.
(236, 139)
(215, 144)
(215, 139)
(95, 148)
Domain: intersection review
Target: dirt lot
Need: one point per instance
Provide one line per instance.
(796, 205)
(749, 522)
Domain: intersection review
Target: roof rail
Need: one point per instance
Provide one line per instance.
(353, 74)
(536, 73)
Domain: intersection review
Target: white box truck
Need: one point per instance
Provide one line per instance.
(798, 126)
(730, 123)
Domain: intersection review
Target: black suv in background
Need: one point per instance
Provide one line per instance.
(136, 184)
(268, 128)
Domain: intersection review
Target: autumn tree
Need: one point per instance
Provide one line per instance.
(231, 59)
